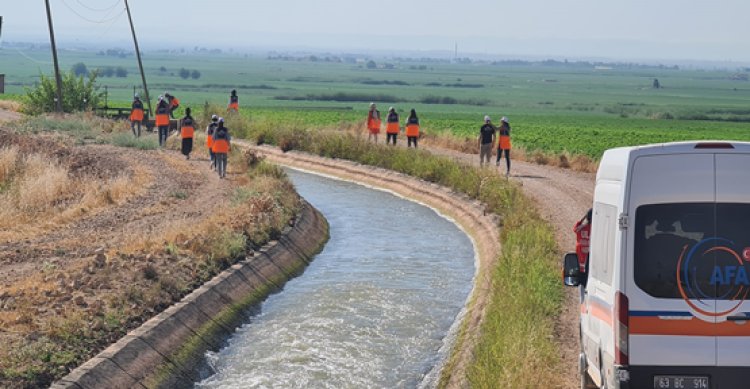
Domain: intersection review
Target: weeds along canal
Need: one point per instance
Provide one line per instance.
(374, 309)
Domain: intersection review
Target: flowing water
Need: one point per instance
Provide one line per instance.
(373, 310)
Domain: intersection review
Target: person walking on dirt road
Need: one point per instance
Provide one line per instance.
(210, 139)
(234, 102)
(162, 120)
(486, 141)
(373, 123)
(503, 144)
(136, 115)
(187, 131)
(412, 129)
(221, 147)
(392, 126)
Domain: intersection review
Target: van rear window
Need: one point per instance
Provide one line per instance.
(693, 251)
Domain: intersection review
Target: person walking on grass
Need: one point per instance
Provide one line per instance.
(187, 131)
(412, 128)
(373, 123)
(221, 147)
(503, 144)
(486, 141)
(136, 115)
(234, 102)
(392, 126)
(162, 120)
(210, 139)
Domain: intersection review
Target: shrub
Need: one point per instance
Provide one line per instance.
(80, 69)
(77, 94)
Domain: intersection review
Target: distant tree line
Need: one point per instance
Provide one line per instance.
(80, 69)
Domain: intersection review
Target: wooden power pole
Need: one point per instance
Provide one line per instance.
(58, 98)
(140, 64)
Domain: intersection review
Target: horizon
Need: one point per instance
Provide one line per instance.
(633, 31)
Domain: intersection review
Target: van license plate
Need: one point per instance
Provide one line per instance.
(680, 382)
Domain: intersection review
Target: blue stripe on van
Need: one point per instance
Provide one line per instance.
(659, 313)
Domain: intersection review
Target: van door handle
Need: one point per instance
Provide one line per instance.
(738, 318)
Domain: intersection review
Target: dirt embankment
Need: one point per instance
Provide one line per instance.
(101, 238)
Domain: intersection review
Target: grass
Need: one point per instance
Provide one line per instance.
(38, 190)
(516, 344)
(128, 140)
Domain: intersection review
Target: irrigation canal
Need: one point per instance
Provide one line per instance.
(375, 308)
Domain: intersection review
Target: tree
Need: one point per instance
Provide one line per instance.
(80, 69)
(371, 64)
(109, 71)
(656, 83)
(195, 74)
(184, 73)
(163, 69)
(121, 72)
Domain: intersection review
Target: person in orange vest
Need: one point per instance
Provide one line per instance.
(392, 126)
(187, 131)
(210, 139)
(173, 103)
(583, 236)
(373, 123)
(412, 128)
(221, 147)
(503, 144)
(162, 120)
(234, 102)
(136, 115)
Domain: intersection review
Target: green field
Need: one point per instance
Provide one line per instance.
(573, 108)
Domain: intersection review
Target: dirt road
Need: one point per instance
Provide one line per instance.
(562, 197)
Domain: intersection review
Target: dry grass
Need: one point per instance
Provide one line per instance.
(10, 105)
(37, 192)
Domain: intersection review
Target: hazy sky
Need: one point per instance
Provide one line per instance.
(622, 29)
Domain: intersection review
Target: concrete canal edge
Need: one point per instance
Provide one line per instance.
(482, 226)
(168, 350)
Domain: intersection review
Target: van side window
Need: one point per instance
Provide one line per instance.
(665, 234)
(603, 230)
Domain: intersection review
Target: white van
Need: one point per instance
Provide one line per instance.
(668, 271)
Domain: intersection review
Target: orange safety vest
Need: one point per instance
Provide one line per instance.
(412, 130)
(174, 102)
(209, 142)
(220, 146)
(235, 106)
(504, 143)
(392, 128)
(136, 115)
(187, 132)
(162, 120)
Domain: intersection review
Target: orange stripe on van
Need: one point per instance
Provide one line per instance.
(686, 327)
(601, 312)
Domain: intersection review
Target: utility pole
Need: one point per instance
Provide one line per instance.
(140, 64)
(58, 98)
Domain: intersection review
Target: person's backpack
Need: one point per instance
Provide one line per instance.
(221, 133)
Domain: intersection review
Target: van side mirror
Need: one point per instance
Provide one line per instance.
(571, 270)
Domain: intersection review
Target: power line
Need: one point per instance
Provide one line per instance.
(119, 16)
(32, 59)
(98, 9)
(105, 20)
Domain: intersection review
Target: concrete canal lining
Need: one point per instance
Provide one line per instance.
(167, 351)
